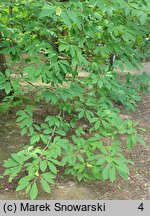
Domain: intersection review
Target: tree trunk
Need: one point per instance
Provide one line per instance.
(2, 69)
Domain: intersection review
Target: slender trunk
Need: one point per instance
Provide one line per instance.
(111, 60)
(11, 8)
(2, 68)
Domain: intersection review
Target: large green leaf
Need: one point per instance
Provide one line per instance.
(33, 191)
(106, 172)
(45, 186)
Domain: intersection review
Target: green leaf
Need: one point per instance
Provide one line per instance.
(34, 139)
(28, 188)
(16, 170)
(50, 120)
(10, 163)
(25, 179)
(48, 177)
(97, 125)
(50, 96)
(100, 83)
(16, 158)
(123, 175)
(122, 167)
(106, 172)
(45, 186)
(27, 122)
(33, 191)
(112, 174)
(7, 87)
(129, 142)
(141, 140)
(64, 47)
(73, 17)
(88, 116)
(44, 138)
(23, 131)
(43, 165)
(48, 131)
(100, 4)
(22, 186)
(52, 167)
(143, 18)
(2, 78)
(81, 114)
(61, 132)
(100, 161)
(21, 113)
(47, 11)
(80, 158)
(37, 127)
(66, 19)
(103, 149)
(134, 139)
(80, 176)
(127, 36)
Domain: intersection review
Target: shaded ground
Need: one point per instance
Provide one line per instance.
(137, 187)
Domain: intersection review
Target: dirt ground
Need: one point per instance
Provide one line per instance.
(137, 187)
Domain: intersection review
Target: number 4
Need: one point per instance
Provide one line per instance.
(141, 207)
